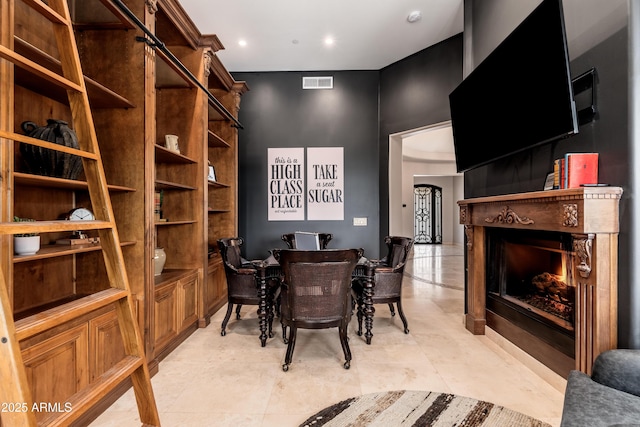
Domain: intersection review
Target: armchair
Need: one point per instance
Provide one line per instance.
(290, 240)
(610, 396)
(315, 293)
(387, 283)
(242, 282)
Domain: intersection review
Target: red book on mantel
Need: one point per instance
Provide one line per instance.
(580, 168)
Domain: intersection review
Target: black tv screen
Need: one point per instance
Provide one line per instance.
(520, 96)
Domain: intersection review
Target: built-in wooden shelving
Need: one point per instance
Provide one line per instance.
(52, 251)
(216, 141)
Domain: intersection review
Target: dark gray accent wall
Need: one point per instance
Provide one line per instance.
(604, 47)
(414, 92)
(360, 113)
(277, 112)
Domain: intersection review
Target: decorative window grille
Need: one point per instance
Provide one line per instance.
(427, 202)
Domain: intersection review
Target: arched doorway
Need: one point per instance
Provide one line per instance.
(427, 208)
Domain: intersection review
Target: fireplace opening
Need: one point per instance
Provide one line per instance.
(529, 284)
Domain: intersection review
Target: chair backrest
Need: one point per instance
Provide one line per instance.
(388, 276)
(241, 280)
(230, 251)
(316, 284)
(398, 250)
(290, 240)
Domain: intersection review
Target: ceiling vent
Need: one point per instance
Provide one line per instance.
(317, 82)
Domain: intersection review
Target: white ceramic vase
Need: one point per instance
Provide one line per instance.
(26, 245)
(159, 258)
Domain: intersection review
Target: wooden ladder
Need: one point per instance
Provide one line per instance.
(14, 387)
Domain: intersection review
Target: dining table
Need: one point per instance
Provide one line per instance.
(269, 278)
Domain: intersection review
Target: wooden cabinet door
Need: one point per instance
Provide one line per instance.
(216, 288)
(165, 316)
(57, 368)
(187, 301)
(105, 344)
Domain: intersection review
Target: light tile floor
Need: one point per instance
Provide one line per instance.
(212, 380)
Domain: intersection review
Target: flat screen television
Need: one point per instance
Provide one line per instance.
(520, 96)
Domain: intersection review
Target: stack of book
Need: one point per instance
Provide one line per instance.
(575, 170)
(157, 205)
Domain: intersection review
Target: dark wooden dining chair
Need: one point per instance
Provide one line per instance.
(315, 293)
(290, 240)
(242, 284)
(387, 280)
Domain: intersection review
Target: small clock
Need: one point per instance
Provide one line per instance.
(80, 214)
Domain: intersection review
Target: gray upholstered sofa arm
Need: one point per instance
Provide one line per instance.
(610, 397)
(619, 369)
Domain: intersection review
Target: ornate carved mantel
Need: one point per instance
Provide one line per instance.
(590, 216)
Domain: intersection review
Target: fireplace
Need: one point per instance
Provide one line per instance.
(529, 283)
(542, 272)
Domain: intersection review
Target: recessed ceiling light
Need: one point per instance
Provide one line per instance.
(242, 42)
(414, 16)
(329, 41)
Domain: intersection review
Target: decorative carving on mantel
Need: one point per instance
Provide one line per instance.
(152, 6)
(582, 247)
(464, 211)
(468, 230)
(570, 216)
(508, 216)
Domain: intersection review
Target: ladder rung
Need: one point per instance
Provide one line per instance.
(37, 69)
(85, 399)
(46, 144)
(48, 319)
(46, 11)
(52, 226)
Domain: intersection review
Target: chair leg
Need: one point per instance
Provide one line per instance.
(238, 307)
(344, 340)
(404, 319)
(393, 311)
(292, 343)
(270, 311)
(227, 316)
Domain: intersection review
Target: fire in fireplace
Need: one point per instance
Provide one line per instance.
(529, 282)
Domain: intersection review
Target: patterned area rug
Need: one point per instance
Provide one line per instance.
(418, 408)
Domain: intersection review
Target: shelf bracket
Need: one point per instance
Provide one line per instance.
(151, 43)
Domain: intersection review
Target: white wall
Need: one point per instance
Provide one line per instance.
(458, 191)
(424, 156)
(395, 186)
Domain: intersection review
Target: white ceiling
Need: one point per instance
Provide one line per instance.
(288, 35)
